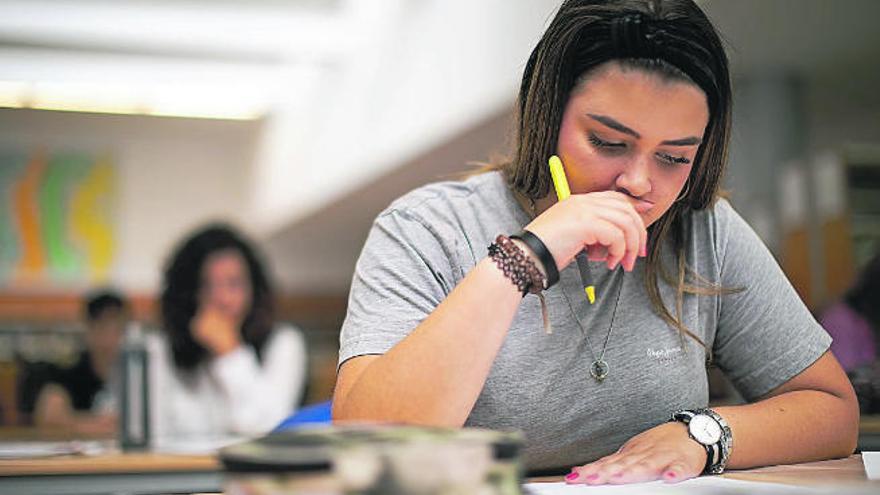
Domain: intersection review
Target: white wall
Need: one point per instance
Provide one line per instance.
(173, 175)
(421, 73)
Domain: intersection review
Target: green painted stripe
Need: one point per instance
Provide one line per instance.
(65, 260)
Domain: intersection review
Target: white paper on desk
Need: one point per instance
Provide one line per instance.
(194, 445)
(872, 464)
(33, 450)
(698, 486)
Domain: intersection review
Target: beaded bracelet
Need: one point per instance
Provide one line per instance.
(517, 265)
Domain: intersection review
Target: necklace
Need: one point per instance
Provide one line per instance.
(599, 368)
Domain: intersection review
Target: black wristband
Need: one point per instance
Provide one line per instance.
(537, 246)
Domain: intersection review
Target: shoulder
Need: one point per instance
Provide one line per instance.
(441, 199)
(718, 223)
(82, 365)
(718, 218)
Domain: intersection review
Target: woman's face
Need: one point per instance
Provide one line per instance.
(633, 132)
(226, 284)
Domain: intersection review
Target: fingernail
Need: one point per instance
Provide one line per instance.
(669, 475)
(571, 476)
(617, 475)
(592, 477)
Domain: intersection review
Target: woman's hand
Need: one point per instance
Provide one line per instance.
(664, 452)
(604, 223)
(215, 331)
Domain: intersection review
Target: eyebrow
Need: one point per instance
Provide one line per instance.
(617, 126)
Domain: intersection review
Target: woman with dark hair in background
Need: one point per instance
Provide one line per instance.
(227, 367)
(634, 97)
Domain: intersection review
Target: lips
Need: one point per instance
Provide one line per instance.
(641, 205)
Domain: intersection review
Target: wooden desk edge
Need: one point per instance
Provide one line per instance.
(109, 464)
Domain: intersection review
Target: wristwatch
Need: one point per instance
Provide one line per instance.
(709, 429)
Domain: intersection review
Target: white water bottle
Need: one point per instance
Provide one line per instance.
(134, 411)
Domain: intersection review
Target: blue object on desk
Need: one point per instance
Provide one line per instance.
(314, 414)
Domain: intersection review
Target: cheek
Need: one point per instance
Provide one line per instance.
(673, 182)
(572, 146)
(243, 300)
(586, 170)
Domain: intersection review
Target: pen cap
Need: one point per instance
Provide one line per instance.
(560, 183)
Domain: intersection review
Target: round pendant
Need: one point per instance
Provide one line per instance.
(599, 369)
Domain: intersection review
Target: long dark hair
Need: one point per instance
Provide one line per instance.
(179, 300)
(671, 38)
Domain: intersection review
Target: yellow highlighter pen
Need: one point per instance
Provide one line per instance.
(560, 183)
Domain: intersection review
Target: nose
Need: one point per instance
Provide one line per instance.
(217, 296)
(635, 178)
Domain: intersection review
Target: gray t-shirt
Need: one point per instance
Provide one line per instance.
(422, 246)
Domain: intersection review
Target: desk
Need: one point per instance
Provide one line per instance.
(849, 472)
(834, 472)
(161, 473)
(111, 473)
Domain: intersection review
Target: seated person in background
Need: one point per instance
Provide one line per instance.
(226, 366)
(854, 323)
(77, 398)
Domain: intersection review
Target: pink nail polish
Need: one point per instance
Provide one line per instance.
(669, 475)
(571, 476)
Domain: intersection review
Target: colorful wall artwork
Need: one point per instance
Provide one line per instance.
(57, 213)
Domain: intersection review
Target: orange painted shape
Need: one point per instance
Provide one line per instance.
(25, 201)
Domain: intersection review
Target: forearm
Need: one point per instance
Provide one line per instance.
(435, 374)
(796, 426)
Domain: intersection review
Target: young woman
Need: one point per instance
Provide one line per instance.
(226, 366)
(634, 97)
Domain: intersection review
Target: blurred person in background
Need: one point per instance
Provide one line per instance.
(78, 398)
(854, 324)
(854, 321)
(226, 366)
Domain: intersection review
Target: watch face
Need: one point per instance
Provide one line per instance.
(705, 429)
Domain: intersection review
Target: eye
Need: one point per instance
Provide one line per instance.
(672, 160)
(606, 146)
